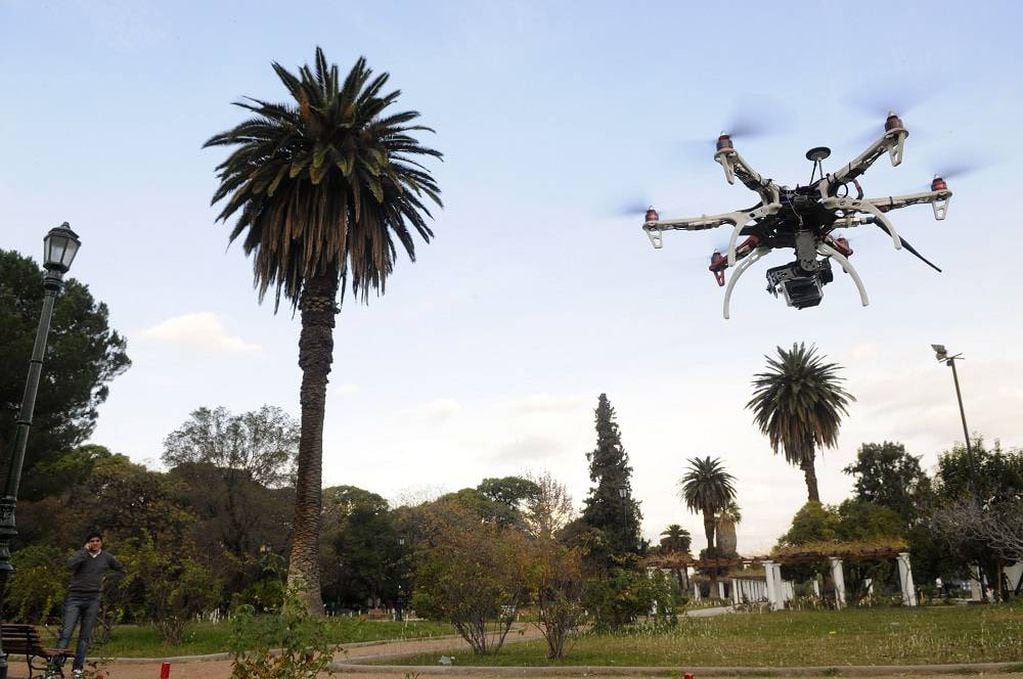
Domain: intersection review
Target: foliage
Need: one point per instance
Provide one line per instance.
(623, 595)
(293, 644)
(167, 588)
(706, 487)
(321, 187)
(471, 573)
(83, 354)
(675, 538)
(362, 549)
(557, 584)
(262, 443)
(507, 495)
(888, 476)
(798, 404)
(36, 588)
(606, 510)
(549, 509)
(725, 522)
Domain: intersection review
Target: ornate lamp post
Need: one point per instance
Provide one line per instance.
(59, 249)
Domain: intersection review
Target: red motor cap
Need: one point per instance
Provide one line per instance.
(651, 214)
(725, 143)
(938, 184)
(718, 264)
(893, 122)
(842, 245)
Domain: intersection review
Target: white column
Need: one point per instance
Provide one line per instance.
(906, 580)
(816, 587)
(721, 589)
(736, 600)
(696, 591)
(838, 577)
(769, 581)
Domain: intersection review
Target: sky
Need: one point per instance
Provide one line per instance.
(486, 356)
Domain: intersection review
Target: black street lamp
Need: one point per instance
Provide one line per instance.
(59, 249)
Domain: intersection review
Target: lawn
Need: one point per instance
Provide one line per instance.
(130, 641)
(889, 636)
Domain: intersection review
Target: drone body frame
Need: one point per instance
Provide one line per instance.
(803, 219)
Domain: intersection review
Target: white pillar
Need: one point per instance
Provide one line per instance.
(721, 589)
(838, 577)
(696, 591)
(736, 600)
(816, 587)
(769, 582)
(906, 580)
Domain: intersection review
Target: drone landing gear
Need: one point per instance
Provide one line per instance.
(739, 269)
(847, 266)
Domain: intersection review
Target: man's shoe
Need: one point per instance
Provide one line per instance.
(77, 674)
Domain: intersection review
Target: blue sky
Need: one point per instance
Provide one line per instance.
(486, 356)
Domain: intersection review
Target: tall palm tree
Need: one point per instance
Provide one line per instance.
(322, 187)
(706, 487)
(798, 404)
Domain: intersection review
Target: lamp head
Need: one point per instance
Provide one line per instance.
(59, 248)
(940, 352)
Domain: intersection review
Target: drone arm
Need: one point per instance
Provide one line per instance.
(847, 205)
(892, 140)
(738, 219)
(938, 199)
(828, 251)
(739, 270)
(736, 166)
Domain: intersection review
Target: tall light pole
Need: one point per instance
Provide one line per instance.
(59, 249)
(941, 354)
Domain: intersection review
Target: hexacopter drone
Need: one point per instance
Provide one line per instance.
(804, 218)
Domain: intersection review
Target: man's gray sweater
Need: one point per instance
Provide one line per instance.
(87, 571)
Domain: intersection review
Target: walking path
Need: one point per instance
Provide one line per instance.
(349, 664)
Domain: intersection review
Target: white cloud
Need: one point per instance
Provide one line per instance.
(547, 403)
(529, 447)
(440, 408)
(203, 331)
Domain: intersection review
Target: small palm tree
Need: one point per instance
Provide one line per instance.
(724, 527)
(675, 538)
(322, 187)
(706, 487)
(798, 404)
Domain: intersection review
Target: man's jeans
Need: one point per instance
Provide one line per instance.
(83, 607)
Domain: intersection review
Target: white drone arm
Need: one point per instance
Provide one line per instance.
(938, 199)
(737, 219)
(893, 141)
(736, 166)
(847, 205)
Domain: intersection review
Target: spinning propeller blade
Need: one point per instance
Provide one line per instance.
(632, 208)
(910, 248)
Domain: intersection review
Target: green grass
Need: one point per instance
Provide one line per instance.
(130, 641)
(894, 636)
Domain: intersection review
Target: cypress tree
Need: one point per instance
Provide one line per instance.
(617, 517)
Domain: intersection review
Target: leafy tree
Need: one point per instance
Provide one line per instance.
(322, 187)
(36, 588)
(619, 598)
(557, 584)
(617, 517)
(363, 549)
(471, 573)
(798, 404)
(707, 488)
(548, 510)
(231, 465)
(83, 354)
(261, 443)
(887, 475)
(508, 495)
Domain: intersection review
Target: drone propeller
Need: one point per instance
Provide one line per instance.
(740, 126)
(634, 207)
(895, 96)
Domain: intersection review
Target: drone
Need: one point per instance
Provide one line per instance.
(805, 219)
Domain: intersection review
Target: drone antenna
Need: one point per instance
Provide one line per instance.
(817, 154)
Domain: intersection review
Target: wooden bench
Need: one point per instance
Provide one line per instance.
(24, 640)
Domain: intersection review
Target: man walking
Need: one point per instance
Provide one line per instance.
(88, 566)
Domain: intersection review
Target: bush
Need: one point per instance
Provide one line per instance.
(37, 586)
(291, 644)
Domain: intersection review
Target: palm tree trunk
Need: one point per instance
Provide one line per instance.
(708, 529)
(315, 354)
(811, 480)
